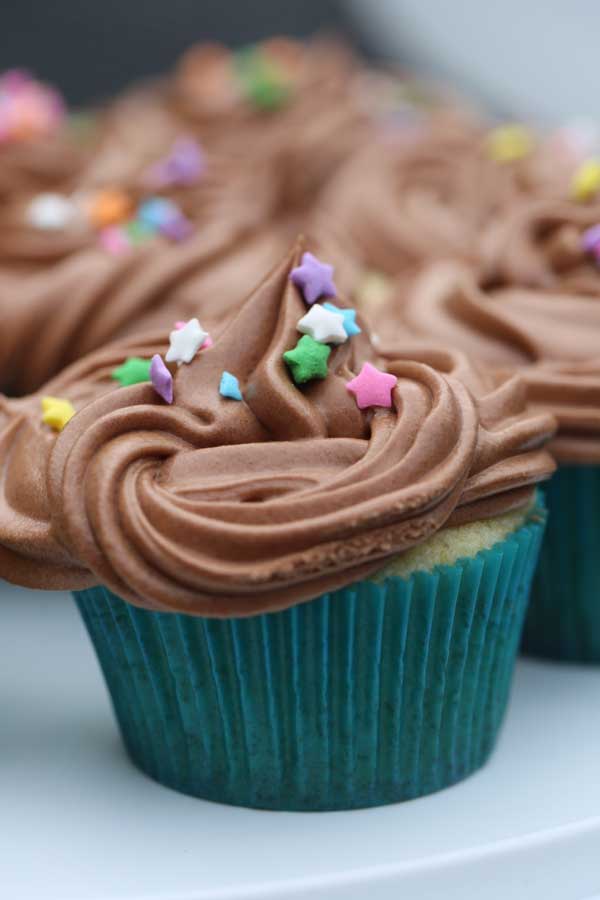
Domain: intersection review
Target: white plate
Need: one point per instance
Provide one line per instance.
(78, 822)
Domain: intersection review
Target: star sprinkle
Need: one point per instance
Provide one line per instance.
(586, 180)
(230, 387)
(164, 216)
(114, 239)
(307, 360)
(28, 108)
(590, 240)
(208, 343)
(51, 212)
(161, 378)
(137, 231)
(132, 371)
(109, 207)
(348, 317)
(261, 80)
(509, 143)
(184, 165)
(323, 325)
(155, 212)
(56, 412)
(371, 387)
(185, 342)
(178, 228)
(314, 278)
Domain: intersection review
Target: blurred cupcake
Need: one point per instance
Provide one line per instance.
(220, 160)
(305, 577)
(427, 191)
(533, 309)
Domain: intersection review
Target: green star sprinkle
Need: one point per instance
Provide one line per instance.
(262, 82)
(139, 231)
(133, 370)
(307, 360)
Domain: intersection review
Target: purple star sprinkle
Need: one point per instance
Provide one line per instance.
(177, 228)
(161, 378)
(590, 239)
(314, 278)
(185, 164)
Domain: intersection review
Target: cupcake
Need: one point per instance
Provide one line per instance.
(533, 309)
(305, 576)
(426, 192)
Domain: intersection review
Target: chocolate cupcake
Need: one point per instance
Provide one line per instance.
(533, 309)
(305, 576)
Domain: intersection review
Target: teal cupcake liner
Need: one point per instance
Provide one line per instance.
(369, 695)
(564, 615)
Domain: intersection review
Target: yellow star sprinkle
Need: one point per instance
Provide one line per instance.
(508, 143)
(56, 412)
(586, 180)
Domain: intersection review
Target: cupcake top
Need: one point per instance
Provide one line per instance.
(533, 308)
(256, 469)
(434, 190)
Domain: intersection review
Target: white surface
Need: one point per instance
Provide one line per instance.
(78, 822)
(535, 58)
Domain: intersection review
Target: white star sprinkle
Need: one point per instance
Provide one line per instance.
(51, 212)
(185, 342)
(323, 326)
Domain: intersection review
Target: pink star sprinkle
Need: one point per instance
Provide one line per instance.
(371, 387)
(114, 240)
(314, 278)
(161, 378)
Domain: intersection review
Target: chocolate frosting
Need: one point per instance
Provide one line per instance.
(483, 256)
(430, 192)
(67, 296)
(533, 309)
(220, 508)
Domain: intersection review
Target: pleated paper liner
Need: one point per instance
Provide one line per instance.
(370, 695)
(564, 616)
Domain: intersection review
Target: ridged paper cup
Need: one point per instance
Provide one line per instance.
(564, 616)
(376, 693)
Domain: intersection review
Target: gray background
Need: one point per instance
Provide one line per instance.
(89, 49)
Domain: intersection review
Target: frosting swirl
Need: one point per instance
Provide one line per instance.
(540, 328)
(223, 508)
(431, 190)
